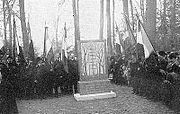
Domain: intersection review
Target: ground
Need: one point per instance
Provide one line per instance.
(124, 103)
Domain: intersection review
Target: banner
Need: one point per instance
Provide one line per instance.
(63, 50)
(142, 38)
(50, 55)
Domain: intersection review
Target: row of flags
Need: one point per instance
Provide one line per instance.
(18, 50)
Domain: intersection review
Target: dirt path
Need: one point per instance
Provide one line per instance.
(124, 103)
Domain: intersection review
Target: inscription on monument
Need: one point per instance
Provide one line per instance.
(92, 67)
(92, 58)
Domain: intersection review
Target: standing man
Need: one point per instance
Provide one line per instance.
(8, 103)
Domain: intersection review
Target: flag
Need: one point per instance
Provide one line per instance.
(50, 55)
(63, 50)
(118, 48)
(142, 38)
(130, 33)
(3, 49)
(21, 55)
(120, 38)
(29, 31)
(45, 38)
(31, 55)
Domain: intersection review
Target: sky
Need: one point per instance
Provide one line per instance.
(40, 12)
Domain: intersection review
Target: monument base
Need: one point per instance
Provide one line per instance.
(79, 97)
(97, 89)
(94, 87)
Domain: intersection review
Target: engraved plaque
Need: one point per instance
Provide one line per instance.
(92, 60)
(92, 67)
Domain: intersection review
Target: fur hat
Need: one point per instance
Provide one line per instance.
(172, 55)
(162, 53)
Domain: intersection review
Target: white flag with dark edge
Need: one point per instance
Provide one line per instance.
(142, 38)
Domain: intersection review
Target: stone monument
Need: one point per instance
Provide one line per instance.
(92, 61)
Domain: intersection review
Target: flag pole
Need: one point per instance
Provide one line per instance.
(137, 15)
(121, 41)
(45, 35)
(128, 25)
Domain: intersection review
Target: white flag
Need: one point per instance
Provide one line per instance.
(142, 38)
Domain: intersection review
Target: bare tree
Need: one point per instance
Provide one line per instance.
(109, 41)
(142, 9)
(101, 19)
(10, 26)
(132, 16)
(163, 25)
(23, 27)
(113, 21)
(125, 8)
(75, 5)
(150, 22)
(4, 20)
(172, 23)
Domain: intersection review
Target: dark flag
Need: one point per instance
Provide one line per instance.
(50, 55)
(63, 50)
(3, 50)
(118, 48)
(3, 53)
(29, 30)
(120, 38)
(45, 38)
(31, 51)
(21, 55)
(130, 31)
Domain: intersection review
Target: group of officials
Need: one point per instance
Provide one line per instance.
(38, 79)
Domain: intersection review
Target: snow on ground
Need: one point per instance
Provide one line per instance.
(124, 103)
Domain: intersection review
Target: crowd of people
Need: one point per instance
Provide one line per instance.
(40, 78)
(161, 67)
(35, 79)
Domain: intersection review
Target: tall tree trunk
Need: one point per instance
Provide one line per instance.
(132, 16)
(142, 9)
(109, 41)
(4, 20)
(150, 23)
(45, 38)
(101, 19)
(165, 39)
(10, 29)
(75, 5)
(172, 23)
(113, 16)
(23, 27)
(125, 8)
(57, 34)
(78, 29)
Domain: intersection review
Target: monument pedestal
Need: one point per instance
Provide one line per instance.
(80, 97)
(92, 62)
(97, 89)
